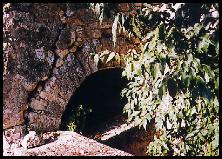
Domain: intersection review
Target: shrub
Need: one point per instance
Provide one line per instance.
(175, 76)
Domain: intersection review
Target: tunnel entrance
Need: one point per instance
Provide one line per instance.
(96, 101)
(95, 111)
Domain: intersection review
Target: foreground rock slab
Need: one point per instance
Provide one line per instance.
(73, 144)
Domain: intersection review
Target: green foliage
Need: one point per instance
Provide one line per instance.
(174, 79)
(72, 126)
(98, 9)
(78, 119)
(174, 83)
(105, 57)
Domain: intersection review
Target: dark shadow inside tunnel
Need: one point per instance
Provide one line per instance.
(99, 96)
(101, 111)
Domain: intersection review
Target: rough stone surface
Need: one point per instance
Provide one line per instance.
(47, 56)
(12, 138)
(41, 121)
(14, 101)
(73, 144)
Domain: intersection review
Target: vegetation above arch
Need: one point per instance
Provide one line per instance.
(174, 79)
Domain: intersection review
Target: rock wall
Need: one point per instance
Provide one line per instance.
(67, 143)
(46, 57)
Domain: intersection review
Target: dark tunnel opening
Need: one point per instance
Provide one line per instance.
(101, 92)
(99, 95)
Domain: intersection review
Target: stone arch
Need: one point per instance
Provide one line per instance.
(99, 93)
(50, 57)
(48, 106)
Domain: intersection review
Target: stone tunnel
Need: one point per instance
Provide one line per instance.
(99, 93)
(47, 56)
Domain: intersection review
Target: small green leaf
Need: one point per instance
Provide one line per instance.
(96, 59)
(204, 43)
(193, 111)
(152, 44)
(157, 73)
(199, 79)
(124, 73)
(215, 142)
(204, 132)
(159, 47)
(145, 47)
(135, 113)
(136, 29)
(111, 56)
(206, 77)
(197, 28)
(137, 121)
(170, 32)
(114, 28)
(148, 117)
(144, 124)
(189, 135)
(148, 36)
(117, 58)
(167, 69)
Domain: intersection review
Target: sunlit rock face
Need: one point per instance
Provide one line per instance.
(46, 58)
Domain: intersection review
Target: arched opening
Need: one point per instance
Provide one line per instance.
(96, 101)
(100, 114)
